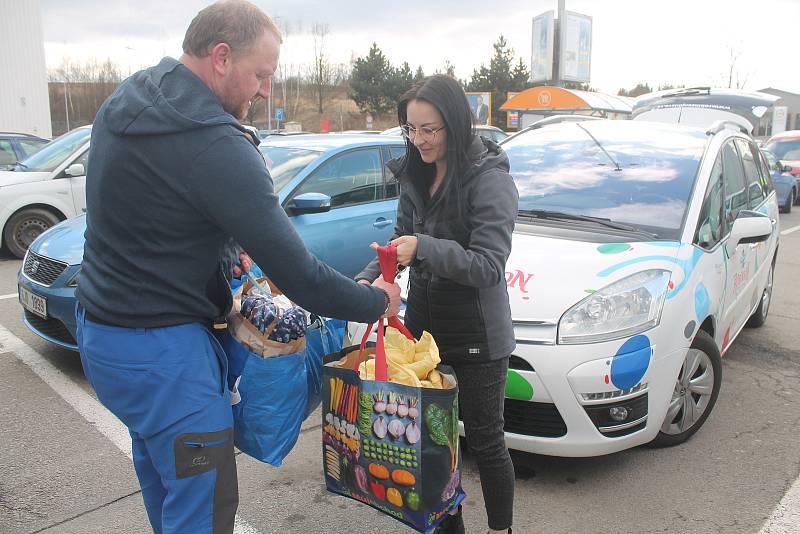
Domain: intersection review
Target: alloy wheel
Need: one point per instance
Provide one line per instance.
(692, 393)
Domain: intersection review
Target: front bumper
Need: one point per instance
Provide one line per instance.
(575, 382)
(59, 327)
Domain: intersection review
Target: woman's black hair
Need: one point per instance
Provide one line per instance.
(447, 96)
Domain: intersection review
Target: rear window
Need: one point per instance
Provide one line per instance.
(642, 176)
(784, 149)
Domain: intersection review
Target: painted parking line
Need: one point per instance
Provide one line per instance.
(790, 230)
(785, 519)
(9, 296)
(83, 403)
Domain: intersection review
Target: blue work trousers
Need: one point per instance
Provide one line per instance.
(167, 385)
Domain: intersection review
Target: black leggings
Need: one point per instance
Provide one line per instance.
(481, 394)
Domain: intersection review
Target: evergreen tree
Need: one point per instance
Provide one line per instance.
(372, 83)
(500, 77)
(420, 74)
(400, 82)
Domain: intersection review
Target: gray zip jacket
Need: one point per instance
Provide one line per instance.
(457, 287)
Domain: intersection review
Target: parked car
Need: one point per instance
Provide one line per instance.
(640, 252)
(786, 147)
(786, 185)
(489, 132)
(15, 147)
(263, 134)
(43, 189)
(701, 106)
(334, 188)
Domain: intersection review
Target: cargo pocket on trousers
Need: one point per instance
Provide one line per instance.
(199, 452)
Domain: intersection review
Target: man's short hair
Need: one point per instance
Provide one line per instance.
(235, 22)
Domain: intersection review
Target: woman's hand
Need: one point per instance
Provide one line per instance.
(406, 249)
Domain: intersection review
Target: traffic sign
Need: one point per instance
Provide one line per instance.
(278, 114)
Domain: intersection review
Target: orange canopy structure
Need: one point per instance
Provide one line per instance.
(549, 99)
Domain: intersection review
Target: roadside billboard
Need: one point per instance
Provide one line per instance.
(575, 47)
(481, 105)
(542, 47)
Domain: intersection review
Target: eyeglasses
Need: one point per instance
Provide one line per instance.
(425, 133)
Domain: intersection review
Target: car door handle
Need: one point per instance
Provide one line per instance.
(382, 223)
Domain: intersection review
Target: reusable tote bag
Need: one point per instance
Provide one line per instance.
(269, 384)
(390, 445)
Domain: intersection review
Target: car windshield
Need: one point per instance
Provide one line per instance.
(285, 162)
(785, 149)
(53, 154)
(638, 176)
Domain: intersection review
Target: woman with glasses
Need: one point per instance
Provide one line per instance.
(454, 223)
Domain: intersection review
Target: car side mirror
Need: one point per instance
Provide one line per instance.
(786, 168)
(309, 203)
(749, 227)
(76, 169)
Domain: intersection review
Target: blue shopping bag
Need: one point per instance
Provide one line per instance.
(270, 396)
(325, 336)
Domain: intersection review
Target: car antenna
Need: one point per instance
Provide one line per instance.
(616, 165)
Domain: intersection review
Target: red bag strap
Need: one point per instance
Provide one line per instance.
(387, 259)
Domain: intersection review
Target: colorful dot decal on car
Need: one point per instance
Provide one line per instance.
(631, 361)
(613, 248)
(689, 329)
(701, 302)
(517, 387)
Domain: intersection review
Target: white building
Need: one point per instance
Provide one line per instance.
(24, 100)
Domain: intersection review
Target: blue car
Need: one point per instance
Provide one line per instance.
(335, 189)
(785, 184)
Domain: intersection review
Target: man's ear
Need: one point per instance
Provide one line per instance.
(221, 58)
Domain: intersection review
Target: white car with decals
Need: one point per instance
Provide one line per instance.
(641, 250)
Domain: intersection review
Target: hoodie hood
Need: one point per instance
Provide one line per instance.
(164, 99)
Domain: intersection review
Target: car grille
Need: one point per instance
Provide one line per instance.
(41, 269)
(540, 419)
(52, 328)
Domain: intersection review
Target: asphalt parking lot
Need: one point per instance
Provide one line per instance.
(66, 468)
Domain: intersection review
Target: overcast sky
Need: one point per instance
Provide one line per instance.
(677, 41)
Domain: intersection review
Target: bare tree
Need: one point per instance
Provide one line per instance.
(321, 69)
(734, 76)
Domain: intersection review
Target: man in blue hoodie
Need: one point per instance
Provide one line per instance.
(172, 176)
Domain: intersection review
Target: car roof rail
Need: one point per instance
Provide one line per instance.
(687, 91)
(720, 125)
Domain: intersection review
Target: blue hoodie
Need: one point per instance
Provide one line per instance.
(171, 176)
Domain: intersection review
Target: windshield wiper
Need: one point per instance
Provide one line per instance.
(560, 215)
(616, 165)
(20, 164)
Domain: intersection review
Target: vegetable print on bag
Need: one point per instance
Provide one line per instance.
(393, 443)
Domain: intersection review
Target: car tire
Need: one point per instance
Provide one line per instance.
(759, 316)
(692, 392)
(25, 226)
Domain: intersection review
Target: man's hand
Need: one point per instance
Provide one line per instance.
(393, 290)
(246, 263)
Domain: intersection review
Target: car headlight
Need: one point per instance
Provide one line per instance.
(73, 282)
(622, 309)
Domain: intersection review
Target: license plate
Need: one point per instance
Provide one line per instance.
(33, 302)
